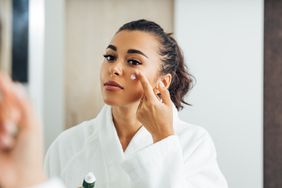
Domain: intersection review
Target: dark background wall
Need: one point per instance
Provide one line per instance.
(273, 94)
(20, 40)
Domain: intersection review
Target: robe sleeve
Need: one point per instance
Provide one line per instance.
(52, 165)
(52, 183)
(164, 165)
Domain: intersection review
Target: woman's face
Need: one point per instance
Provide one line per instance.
(129, 51)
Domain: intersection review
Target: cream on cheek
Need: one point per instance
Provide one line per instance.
(133, 76)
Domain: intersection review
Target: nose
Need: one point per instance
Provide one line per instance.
(116, 69)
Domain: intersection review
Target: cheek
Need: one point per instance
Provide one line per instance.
(103, 70)
(132, 93)
(135, 90)
(152, 76)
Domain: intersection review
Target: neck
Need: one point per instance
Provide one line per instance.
(126, 123)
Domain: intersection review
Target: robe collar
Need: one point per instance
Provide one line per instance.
(109, 140)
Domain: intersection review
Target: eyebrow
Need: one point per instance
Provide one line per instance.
(112, 47)
(130, 51)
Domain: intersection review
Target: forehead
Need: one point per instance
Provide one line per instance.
(140, 40)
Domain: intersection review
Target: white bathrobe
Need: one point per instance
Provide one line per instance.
(184, 160)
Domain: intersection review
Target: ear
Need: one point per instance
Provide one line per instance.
(166, 80)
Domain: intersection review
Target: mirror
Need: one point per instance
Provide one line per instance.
(223, 47)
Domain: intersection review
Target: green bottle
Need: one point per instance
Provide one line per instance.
(89, 181)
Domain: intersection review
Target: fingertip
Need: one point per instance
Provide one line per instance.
(4, 78)
(140, 77)
(139, 74)
(162, 88)
(11, 128)
(6, 142)
(5, 85)
(165, 94)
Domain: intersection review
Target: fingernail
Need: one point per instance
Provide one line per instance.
(162, 84)
(133, 77)
(11, 128)
(6, 142)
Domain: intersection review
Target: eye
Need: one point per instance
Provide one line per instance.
(109, 57)
(134, 62)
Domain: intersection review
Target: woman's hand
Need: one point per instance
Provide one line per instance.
(156, 115)
(21, 152)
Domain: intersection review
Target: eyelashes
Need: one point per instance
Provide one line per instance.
(134, 62)
(109, 57)
(112, 58)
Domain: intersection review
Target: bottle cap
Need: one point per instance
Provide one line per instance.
(90, 178)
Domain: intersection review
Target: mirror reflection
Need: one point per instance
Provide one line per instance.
(129, 94)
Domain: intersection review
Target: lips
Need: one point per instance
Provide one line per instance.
(113, 84)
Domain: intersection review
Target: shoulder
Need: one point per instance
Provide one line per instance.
(189, 130)
(194, 139)
(77, 136)
(67, 145)
(73, 139)
(188, 133)
(71, 142)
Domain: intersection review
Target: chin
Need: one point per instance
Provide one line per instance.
(111, 102)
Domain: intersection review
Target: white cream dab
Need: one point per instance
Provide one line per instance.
(133, 77)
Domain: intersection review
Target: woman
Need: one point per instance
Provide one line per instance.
(137, 140)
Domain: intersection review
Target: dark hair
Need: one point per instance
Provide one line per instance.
(172, 58)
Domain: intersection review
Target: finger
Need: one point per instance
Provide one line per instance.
(11, 128)
(8, 128)
(6, 142)
(6, 94)
(140, 103)
(14, 98)
(5, 85)
(148, 90)
(3, 79)
(8, 109)
(165, 94)
(24, 107)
